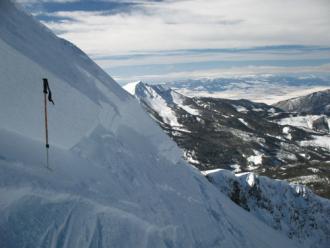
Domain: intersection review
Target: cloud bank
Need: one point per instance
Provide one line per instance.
(123, 34)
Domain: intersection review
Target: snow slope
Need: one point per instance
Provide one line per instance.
(294, 210)
(116, 180)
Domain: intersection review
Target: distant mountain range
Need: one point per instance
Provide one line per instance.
(241, 135)
(260, 88)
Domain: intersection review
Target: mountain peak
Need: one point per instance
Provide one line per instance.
(314, 103)
(131, 87)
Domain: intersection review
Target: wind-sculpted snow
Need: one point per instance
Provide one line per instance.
(116, 180)
(292, 209)
(127, 197)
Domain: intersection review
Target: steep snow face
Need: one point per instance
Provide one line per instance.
(292, 209)
(30, 52)
(115, 179)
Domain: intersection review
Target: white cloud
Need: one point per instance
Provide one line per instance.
(166, 59)
(164, 26)
(43, 1)
(226, 72)
(200, 24)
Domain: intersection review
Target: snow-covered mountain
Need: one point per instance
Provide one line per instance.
(116, 180)
(240, 135)
(317, 103)
(292, 209)
(311, 111)
(266, 88)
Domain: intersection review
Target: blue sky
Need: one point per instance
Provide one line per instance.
(166, 40)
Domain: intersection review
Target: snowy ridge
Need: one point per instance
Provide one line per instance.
(158, 98)
(315, 103)
(130, 87)
(292, 209)
(161, 99)
(116, 179)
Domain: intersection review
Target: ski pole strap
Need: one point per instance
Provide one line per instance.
(47, 90)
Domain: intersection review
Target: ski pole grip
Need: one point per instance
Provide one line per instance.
(45, 85)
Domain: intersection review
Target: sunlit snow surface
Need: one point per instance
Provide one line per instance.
(116, 180)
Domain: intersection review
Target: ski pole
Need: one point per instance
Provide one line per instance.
(46, 90)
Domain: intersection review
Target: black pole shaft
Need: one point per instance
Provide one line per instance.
(46, 120)
(45, 82)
